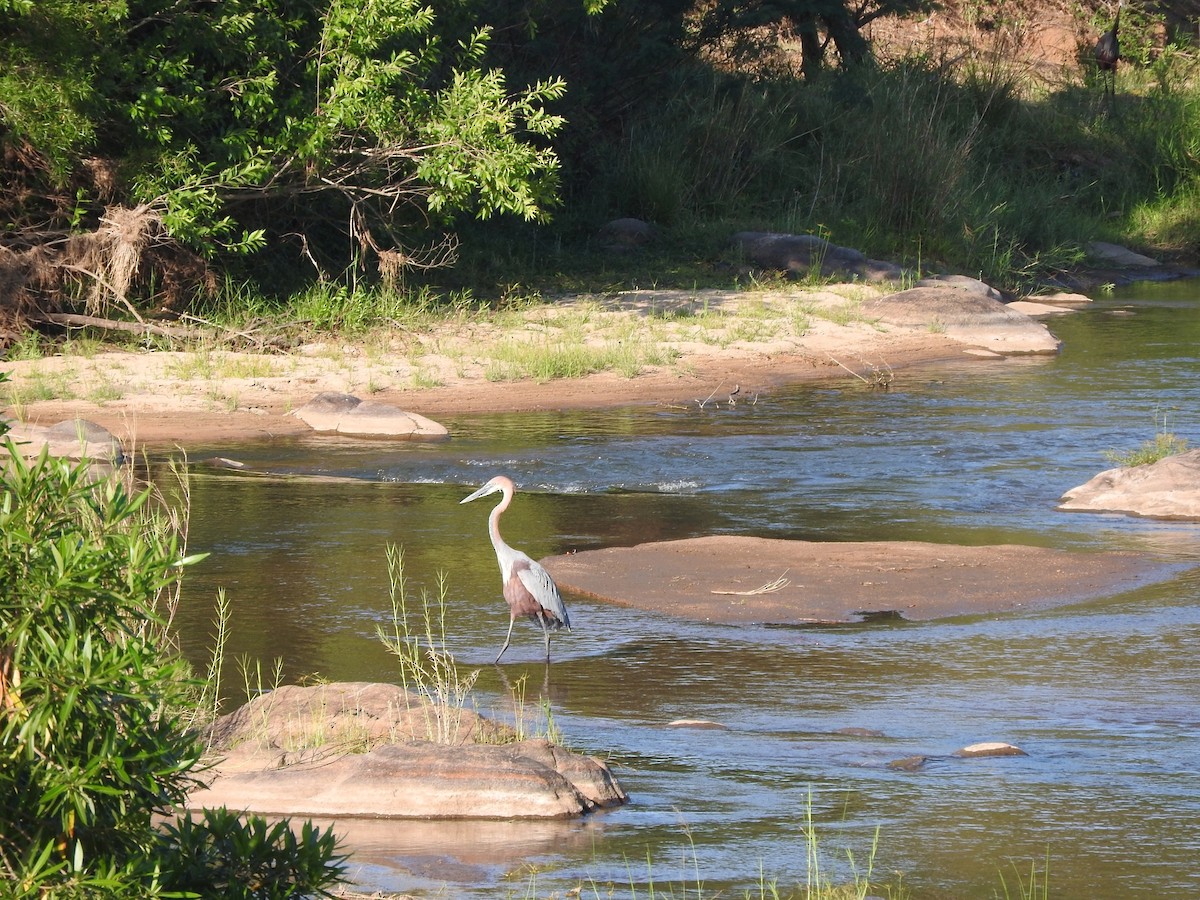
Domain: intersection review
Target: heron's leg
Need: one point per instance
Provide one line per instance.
(546, 632)
(506, 640)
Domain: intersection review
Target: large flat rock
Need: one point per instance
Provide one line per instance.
(1166, 489)
(965, 315)
(722, 578)
(363, 749)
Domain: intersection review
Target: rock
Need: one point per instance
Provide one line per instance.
(798, 254)
(1032, 308)
(842, 581)
(421, 780)
(965, 316)
(909, 763)
(860, 732)
(223, 462)
(1065, 298)
(72, 439)
(1167, 489)
(698, 723)
(362, 749)
(962, 282)
(989, 748)
(1116, 255)
(347, 414)
(627, 234)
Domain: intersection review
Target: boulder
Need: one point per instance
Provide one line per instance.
(1167, 489)
(966, 316)
(72, 439)
(348, 415)
(364, 749)
(627, 234)
(989, 748)
(422, 780)
(962, 282)
(799, 254)
(1116, 255)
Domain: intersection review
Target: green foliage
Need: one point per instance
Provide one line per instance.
(238, 121)
(417, 638)
(1162, 445)
(94, 709)
(90, 738)
(220, 855)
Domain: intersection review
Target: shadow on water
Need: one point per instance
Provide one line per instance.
(1100, 694)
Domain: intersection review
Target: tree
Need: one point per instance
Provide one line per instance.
(816, 23)
(225, 125)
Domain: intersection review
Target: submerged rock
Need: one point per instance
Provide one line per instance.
(989, 748)
(698, 723)
(908, 763)
(1167, 489)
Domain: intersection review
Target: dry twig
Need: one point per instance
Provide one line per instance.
(769, 588)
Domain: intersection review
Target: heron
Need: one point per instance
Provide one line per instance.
(1108, 52)
(528, 588)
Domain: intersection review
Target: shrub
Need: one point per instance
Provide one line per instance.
(93, 707)
(219, 855)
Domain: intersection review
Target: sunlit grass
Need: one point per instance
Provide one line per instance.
(1161, 446)
(1164, 443)
(643, 878)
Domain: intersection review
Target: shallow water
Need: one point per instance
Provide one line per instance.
(1099, 694)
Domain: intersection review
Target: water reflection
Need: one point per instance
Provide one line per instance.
(1099, 694)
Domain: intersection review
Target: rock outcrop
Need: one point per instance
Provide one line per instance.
(1167, 489)
(348, 415)
(737, 579)
(967, 315)
(77, 439)
(800, 254)
(366, 749)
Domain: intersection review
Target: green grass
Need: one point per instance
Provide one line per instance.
(1164, 443)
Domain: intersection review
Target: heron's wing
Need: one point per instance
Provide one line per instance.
(539, 583)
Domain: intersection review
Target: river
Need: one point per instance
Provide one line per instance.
(1101, 695)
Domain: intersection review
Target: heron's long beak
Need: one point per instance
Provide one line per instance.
(482, 492)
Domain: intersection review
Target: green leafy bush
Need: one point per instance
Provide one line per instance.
(94, 737)
(90, 744)
(220, 855)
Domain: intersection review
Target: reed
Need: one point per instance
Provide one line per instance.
(417, 638)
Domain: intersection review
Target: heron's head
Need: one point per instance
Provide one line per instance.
(499, 484)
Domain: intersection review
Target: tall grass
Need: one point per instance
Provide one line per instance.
(857, 884)
(417, 639)
(971, 164)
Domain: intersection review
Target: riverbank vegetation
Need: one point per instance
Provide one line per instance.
(99, 743)
(167, 160)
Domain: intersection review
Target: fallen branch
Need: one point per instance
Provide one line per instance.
(75, 320)
(769, 588)
(878, 376)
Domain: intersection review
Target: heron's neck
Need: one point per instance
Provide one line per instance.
(494, 526)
